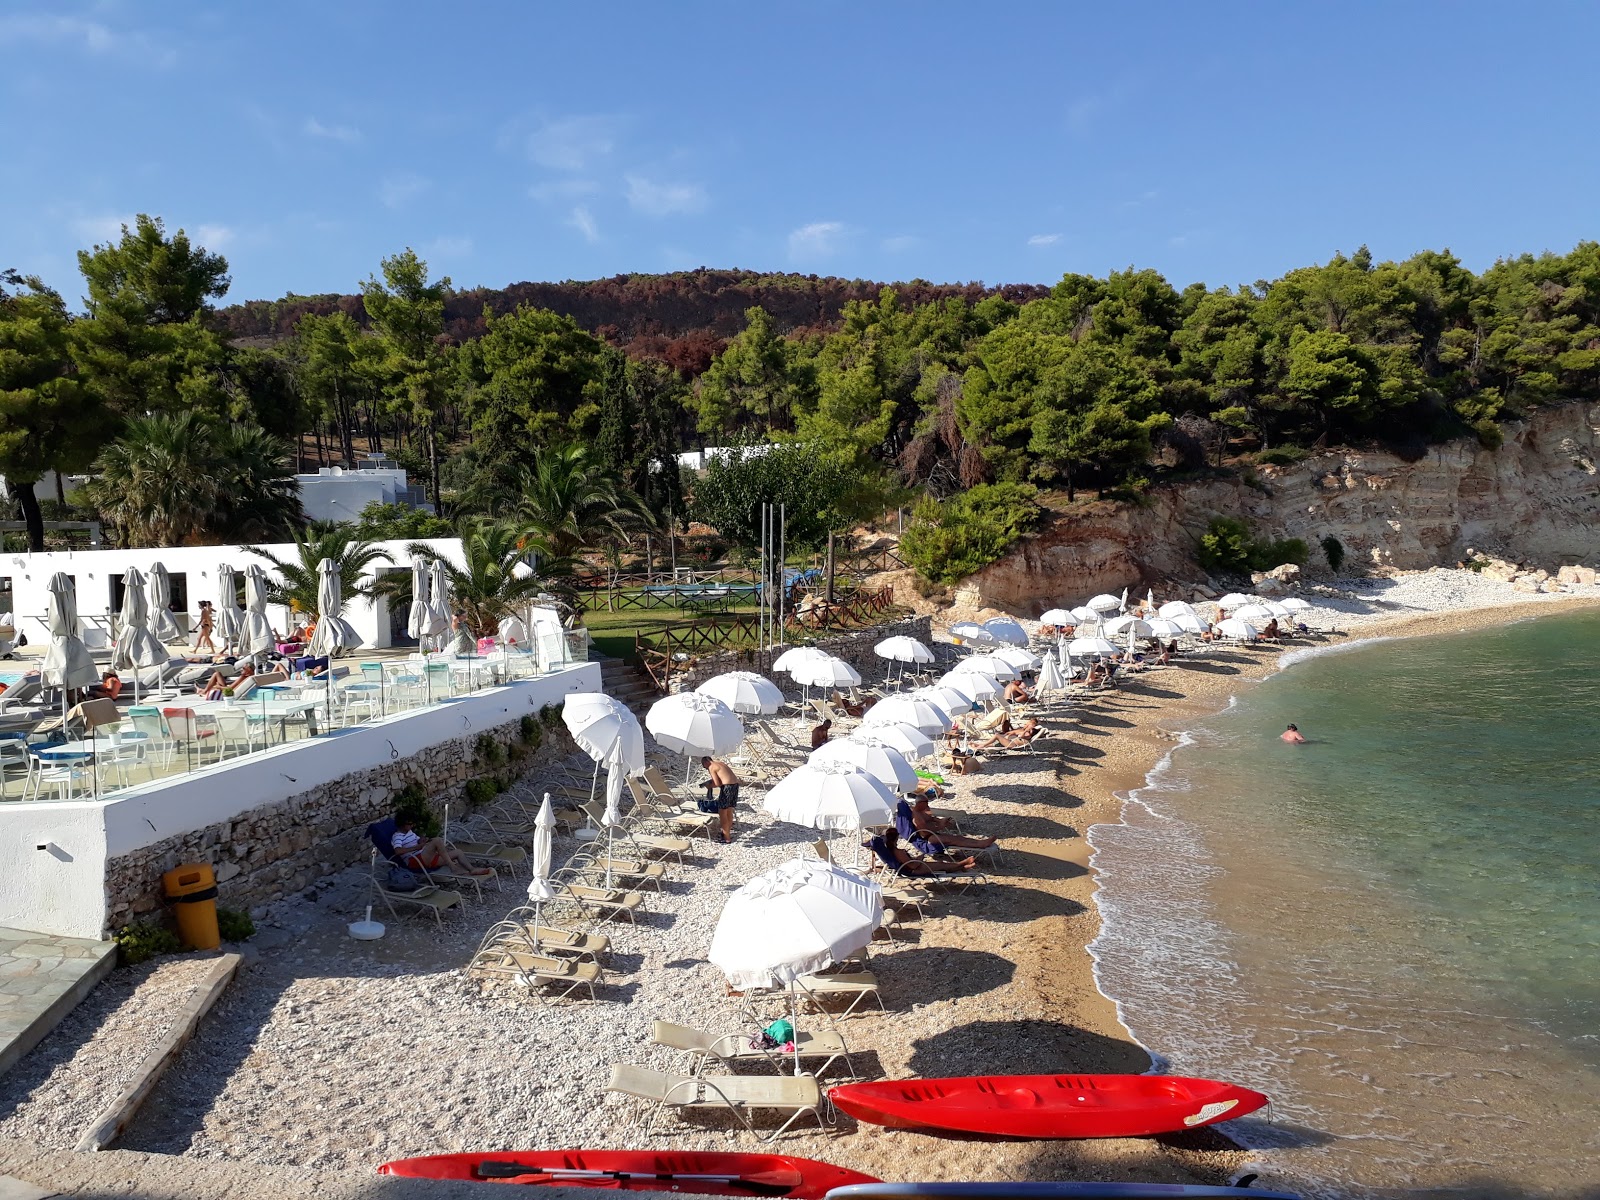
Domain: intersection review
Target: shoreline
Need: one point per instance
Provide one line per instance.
(1155, 732)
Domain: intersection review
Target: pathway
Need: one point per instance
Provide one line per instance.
(42, 978)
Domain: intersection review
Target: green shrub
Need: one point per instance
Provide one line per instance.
(950, 540)
(1266, 555)
(1333, 551)
(144, 940)
(550, 716)
(1228, 548)
(1282, 456)
(530, 732)
(411, 802)
(235, 926)
(481, 791)
(489, 750)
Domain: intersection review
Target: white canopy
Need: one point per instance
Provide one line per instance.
(1294, 604)
(795, 919)
(990, 664)
(1104, 603)
(1086, 647)
(1235, 600)
(1256, 614)
(971, 682)
(797, 654)
(1085, 613)
(949, 697)
(744, 692)
(1233, 627)
(333, 633)
(970, 631)
(889, 767)
(1059, 616)
(604, 727)
(911, 742)
(692, 724)
(1190, 623)
(1004, 629)
(1164, 629)
(830, 795)
(1018, 658)
(67, 663)
(1175, 608)
(826, 671)
(920, 714)
(1122, 626)
(903, 649)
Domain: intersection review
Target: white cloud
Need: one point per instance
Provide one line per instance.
(213, 237)
(900, 244)
(90, 36)
(1044, 239)
(571, 143)
(396, 190)
(338, 133)
(583, 222)
(101, 229)
(662, 199)
(563, 189)
(816, 240)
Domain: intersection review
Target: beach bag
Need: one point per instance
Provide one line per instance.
(780, 1031)
(402, 880)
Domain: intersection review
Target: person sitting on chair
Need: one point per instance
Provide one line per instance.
(888, 849)
(933, 835)
(1016, 692)
(1009, 736)
(109, 687)
(429, 855)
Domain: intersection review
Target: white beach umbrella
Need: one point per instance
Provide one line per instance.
(1233, 627)
(1294, 604)
(911, 742)
(230, 617)
(1165, 630)
(333, 633)
(1085, 614)
(539, 889)
(1190, 623)
(903, 649)
(1018, 659)
(255, 636)
(512, 631)
(1281, 611)
(419, 620)
(744, 692)
(1104, 603)
(830, 795)
(1064, 658)
(971, 631)
(1123, 626)
(788, 922)
(67, 663)
(158, 589)
(438, 600)
(691, 724)
(1234, 600)
(888, 767)
(611, 817)
(603, 727)
(137, 646)
(989, 664)
(1122, 605)
(914, 711)
(972, 682)
(825, 672)
(791, 657)
(1006, 631)
(1088, 647)
(1050, 678)
(950, 697)
(1150, 602)
(1257, 613)
(1175, 608)
(1058, 616)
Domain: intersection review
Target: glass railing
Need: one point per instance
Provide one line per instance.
(167, 732)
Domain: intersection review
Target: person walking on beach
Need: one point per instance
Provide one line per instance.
(722, 793)
(207, 624)
(1292, 735)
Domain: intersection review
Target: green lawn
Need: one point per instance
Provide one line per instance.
(613, 632)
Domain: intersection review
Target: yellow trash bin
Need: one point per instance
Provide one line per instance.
(192, 891)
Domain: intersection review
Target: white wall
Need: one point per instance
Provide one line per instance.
(61, 890)
(93, 570)
(334, 494)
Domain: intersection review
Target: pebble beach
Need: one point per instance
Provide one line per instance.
(335, 1054)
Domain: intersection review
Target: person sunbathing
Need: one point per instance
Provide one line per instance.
(1016, 692)
(938, 832)
(429, 855)
(889, 851)
(1009, 736)
(1272, 633)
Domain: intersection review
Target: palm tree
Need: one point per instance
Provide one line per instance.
(320, 540)
(570, 501)
(496, 581)
(260, 500)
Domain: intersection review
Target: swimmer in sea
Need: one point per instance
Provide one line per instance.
(1292, 735)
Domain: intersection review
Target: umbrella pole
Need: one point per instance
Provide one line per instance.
(594, 782)
(794, 1024)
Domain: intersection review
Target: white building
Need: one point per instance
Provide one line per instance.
(337, 494)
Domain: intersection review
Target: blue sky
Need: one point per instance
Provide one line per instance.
(1002, 142)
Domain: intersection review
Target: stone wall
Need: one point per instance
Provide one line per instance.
(274, 851)
(854, 648)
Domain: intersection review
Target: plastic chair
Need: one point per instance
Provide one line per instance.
(234, 729)
(188, 729)
(147, 720)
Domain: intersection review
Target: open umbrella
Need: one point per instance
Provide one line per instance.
(1018, 659)
(1104, 603)
(951, 697)
(539, 889)
(1234, 600)
(1190, 623)
(797, 654)
(972, 682)
(230, 617)
(1175, 608)
(830, 795)
(691, 725)
(901, 649)
(1123, 626)
(1087, 647)
(1005, 630)
(67, 663)
(1294, 604)
(1058, 617)
(744, 692)
(888, 767)
(918, 713)
(603, 727)
(1233, 627)
(911, 742)
(825, 672)
(1256, 614)
(971, 631)
(255, 636)
(1087, 615)
(1165, 630)
(158, 588)
(1050, 678)
(333, 633)
(137, 647)
(990, 664)
(797, 918)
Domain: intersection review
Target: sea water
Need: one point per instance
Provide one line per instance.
(1393, 930)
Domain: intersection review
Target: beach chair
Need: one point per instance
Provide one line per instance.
(905, 824)
(732, 1048)
(886, 861)
(603, 903)
(592, 862)
(537, 972)
(662, 791)
(381, 835)
(429, 897)
(741, 1095)
(898, 894)
(528, 929)
(682, 823)
(857, 987)
(494, 854)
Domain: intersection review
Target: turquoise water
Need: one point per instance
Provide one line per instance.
(1393, 930)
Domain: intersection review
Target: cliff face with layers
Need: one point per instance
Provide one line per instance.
(1536, 500)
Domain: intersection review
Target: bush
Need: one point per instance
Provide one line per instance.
(530, 732)
(143, 940)
(1282, 456)
(481, 791)
(950, 540)
(1227, 548)
(550, 716)
(235, 926)
(1333, 551)
(489, 750)
(411, 803)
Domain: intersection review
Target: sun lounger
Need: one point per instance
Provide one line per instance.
(854, 986)
(594, 863)
(381, 834)
(686, 824)
(730, 1048)
(538, 971)
(528, 930)
(606, 904)
(741, 1095)
(429, 897)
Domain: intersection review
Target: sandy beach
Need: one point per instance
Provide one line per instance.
(340, 1055)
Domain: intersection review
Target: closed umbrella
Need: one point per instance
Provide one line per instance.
(333, 633)
(438, 603)
(159, 590)
(230, 617)
(914, 711)
(913, 743)
(539, 889)
(1058, 617)
(990, 664)
(137, 647)
(692, 725)
(67, 663)
(1006, 631)
(1050, 678)
(603, 727)
(612, 816)
(788, 922)
(1018, 659)
(1123, 603)
(1233, 627)
(419, 620)
(1064, 657)
(744, 692)
(888, 767)
(830, 795)
(255, 636)
(1150, 602)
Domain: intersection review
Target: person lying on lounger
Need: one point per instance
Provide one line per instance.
(1009, 736)
(939, 832)
(887, 848)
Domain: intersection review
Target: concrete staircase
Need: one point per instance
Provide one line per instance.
(625, 682)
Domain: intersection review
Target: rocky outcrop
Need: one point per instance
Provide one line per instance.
(1535, 500)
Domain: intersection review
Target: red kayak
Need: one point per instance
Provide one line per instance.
(709, 1174)
(1048, 1106)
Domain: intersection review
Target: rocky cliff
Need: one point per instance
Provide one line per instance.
(1535, 500)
